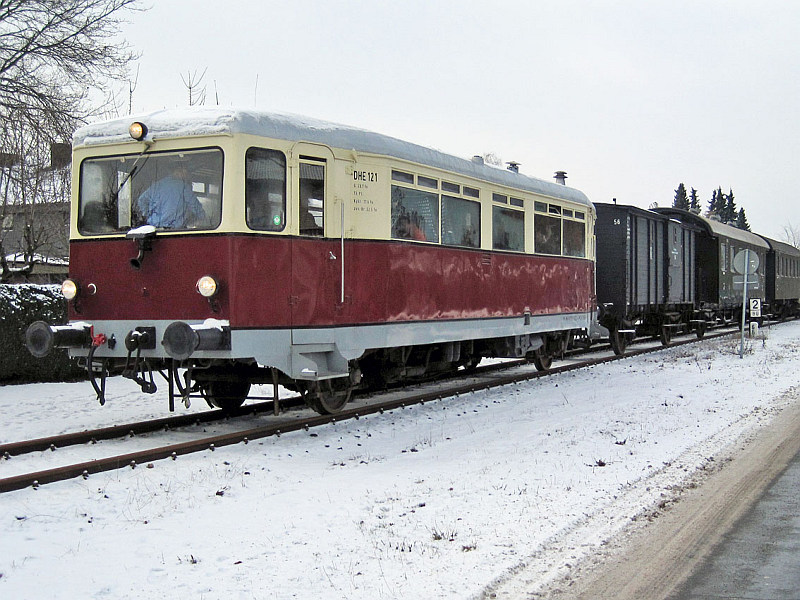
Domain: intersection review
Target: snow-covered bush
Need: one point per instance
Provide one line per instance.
(21, 305)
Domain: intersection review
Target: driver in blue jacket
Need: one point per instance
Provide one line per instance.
(170, 202)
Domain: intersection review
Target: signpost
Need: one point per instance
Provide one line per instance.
(746, 264)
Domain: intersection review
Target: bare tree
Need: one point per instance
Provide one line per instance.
(53, 54)
(791, 235)
(197, 94)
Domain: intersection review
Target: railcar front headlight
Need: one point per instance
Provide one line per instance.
(207, 286)
(69, 289)
(137, 130)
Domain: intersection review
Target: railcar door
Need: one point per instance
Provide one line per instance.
(315, 252)
(680, 258)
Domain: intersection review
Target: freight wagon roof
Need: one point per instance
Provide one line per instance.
(715, 227)
(199, 121)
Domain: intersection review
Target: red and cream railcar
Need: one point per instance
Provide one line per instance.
(324, 255)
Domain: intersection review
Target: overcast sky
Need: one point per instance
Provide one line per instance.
(631, 98)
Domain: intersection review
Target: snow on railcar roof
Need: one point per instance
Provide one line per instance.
(199, 121)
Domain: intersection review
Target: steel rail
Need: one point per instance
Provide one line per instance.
(134, 459)
(88, 436)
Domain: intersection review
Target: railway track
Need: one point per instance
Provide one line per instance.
(288, 421)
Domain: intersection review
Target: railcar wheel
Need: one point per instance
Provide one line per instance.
(666, 335)
(542, 360)
(700, 331)
(618, 342)
(227, 395)
(328, 396)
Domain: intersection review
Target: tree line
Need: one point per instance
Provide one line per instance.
(721, 207)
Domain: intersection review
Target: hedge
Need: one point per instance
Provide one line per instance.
(21, 305)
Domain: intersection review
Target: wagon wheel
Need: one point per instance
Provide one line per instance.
(618, 342)
(472, 363)
(700, 330)
(227, 395)
(666, 335)
(328, 396)
(541, 359)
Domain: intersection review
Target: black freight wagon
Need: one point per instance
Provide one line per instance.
(645, 274)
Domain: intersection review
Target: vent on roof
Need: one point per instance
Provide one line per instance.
(513, 166)
(561, 177)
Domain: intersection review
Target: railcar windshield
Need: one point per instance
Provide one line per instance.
(170, 190)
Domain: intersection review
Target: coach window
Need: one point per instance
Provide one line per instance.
(574, 238)
(428, 182)
(461, 222)
(415, 214)
(312, 198)
(265, 189)
(546, 229)
(723, 257)
(403, 177)
(508, 229)
(471, 192)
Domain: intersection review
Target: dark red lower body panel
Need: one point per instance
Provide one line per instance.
(278, 282)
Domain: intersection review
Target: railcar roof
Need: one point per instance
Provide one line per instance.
(715, 227)
(198, 121)
(782, 247)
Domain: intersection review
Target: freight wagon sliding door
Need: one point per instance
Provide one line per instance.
(680, 269)
(646, 262)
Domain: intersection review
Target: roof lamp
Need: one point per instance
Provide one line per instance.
(137, 130)
(207, 286)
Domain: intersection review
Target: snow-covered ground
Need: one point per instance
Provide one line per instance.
(435, 501)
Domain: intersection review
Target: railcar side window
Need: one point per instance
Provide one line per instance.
(265, 189)
(428, 182)
(461, 222)
(508, 229)
(402, 176)
(574, 239)
(415, 215)
(547, 234)
(171, 190)
(312, 198)
(723, 257)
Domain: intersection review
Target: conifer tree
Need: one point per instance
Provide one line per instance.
(741, 220)
(713, 205)
(681, 201)
(694, 202)
(731, 214)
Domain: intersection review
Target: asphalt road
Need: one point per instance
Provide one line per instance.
(759, 559)
(736, 536)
